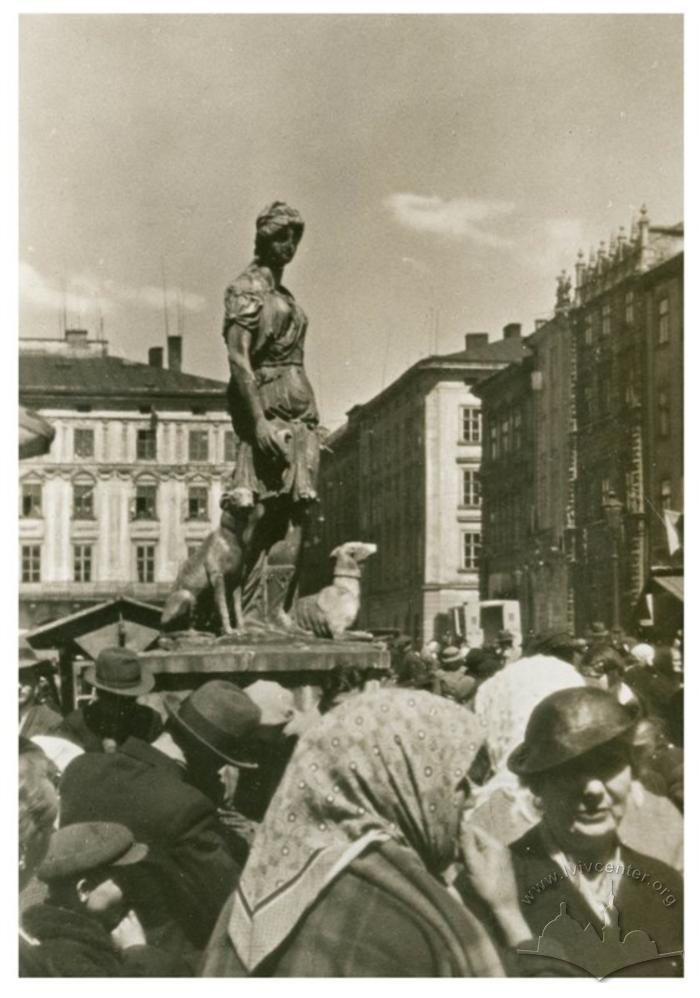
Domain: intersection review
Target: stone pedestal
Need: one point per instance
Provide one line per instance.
(307, 667)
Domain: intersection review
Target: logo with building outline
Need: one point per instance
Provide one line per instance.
(564, 939)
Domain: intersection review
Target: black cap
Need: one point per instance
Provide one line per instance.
(76, 850)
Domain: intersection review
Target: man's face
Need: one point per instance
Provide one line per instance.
(584, 800)
(28, 685)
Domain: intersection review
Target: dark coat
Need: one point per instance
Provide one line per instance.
(74, 944)
(384, 915)
(89, 725)
(189, 871)
(542, 886)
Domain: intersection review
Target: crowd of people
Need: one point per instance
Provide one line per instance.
(429, 823)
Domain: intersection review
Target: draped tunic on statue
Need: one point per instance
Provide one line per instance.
(277, 327)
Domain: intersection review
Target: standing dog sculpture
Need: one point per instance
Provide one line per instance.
(331, 612)
(216, 565)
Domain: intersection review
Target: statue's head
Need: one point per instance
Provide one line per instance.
(278, 231)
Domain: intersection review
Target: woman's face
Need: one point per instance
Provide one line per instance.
(279, 248)
(584, 801)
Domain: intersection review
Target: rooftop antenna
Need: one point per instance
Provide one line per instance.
(165, 300)
(180, 314)
(65, 308)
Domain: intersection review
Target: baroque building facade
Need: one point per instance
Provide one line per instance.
(627, 323)
(403, 472)
(133, 478)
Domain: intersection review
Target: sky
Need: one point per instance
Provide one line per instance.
(447, 168)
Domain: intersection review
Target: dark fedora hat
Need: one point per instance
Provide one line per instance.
(221, 717)
(568, 724)
(118, 670)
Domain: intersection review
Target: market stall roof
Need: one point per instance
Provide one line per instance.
(671, 583)
(121, 621)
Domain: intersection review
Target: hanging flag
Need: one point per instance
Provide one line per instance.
(673, 522)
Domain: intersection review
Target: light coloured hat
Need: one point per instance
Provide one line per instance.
(644, 653)
(275, 702)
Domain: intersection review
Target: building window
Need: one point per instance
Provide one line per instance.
(197, 502)
(82, 563)
(665, 493)
(471, 487)
(606, 324)
(31, 563)
(664, 319)
(471, 424)
(192, 549)
(83, 443)
(493, 433)
(145, 508)
(588, 330)
(471, 548)
(629, 308)
(517, 430)
(199, 445)
(664, 415)
(83, 501)
(31, 499)
(505, 434)
(146, 449)
(229, 447)
(145, 562)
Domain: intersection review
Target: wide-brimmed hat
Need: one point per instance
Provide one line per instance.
(221, 717)
(118, 670)
(87, 846)
(568, 724)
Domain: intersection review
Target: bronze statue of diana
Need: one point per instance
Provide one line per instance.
(274, 416)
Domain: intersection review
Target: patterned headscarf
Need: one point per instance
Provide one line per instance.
(383, 765)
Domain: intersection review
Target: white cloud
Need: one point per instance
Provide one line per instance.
(86, 293)
(552, 245)
(459, 218)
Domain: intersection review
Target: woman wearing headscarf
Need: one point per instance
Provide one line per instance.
(503, 704)
(342, 879)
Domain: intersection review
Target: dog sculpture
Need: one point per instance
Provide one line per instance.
(216, 565)
(331, 612)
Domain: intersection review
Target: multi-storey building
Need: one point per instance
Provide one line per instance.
(627, 330)
(404, 473)
(507, 483)
(528, 477)
(131, 482)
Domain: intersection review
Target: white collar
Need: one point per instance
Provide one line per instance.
(164, 743)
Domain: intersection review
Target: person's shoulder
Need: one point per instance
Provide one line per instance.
(253, 280)
(655, 869)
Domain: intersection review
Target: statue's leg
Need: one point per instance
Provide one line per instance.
(219, 585)
(284, 560)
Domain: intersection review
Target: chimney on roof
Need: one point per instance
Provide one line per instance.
(175, 353)
(512, 331)
(76, 337)
(473, 341)
(155, 356)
